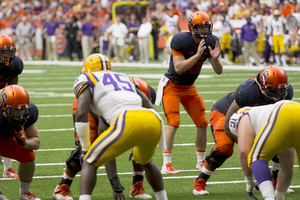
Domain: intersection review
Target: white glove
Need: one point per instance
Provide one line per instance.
(250, 185)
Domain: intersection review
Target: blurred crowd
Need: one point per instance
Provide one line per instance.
(87, 27)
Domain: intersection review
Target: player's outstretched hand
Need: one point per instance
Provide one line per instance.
(2, 197)
(82, 156)
(217, 50)
(250, 185)
(119, 196)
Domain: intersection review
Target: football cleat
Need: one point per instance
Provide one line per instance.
(169, 169)
(199, 165)
(28, 196)
(10, 173)
(137, 191)
(199, 187)
(288, 191)
(62, 192)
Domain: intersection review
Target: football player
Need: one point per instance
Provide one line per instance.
(98, 125)
(133, 123)
(277, 32)
(189, 51)
(264, 131)
(19, 135)
(10, 68)
(269, 86)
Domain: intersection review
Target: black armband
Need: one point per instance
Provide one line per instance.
(116, 185)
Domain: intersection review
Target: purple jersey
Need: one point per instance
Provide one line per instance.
(50, 27)
(87, 29)
(184, 43)
(135, 24)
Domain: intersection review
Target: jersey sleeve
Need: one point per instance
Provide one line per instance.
(242, 97)
(34, 113)
(18, 66)
(80, 84)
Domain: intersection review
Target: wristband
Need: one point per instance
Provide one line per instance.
(1, 193)
(116, 185)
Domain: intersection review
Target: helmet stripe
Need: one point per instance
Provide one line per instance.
(103, 61)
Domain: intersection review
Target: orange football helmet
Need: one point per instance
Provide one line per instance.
(7, 49)
(200, 18)
(15, 104)
(143, 86)
(273, 83)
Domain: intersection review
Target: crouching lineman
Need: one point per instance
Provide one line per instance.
(115, 97)
(19, 135)
(98, 125)
(263, 132)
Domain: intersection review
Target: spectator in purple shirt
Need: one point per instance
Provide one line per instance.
(87, 36)
(49, 30)
(248, 38)
(133, 26)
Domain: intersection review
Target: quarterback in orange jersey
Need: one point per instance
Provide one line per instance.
(190, 50)
(98, 125)
(19, 135)
(10, 67)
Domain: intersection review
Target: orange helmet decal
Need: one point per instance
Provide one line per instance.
(143, 86)
(273, 82)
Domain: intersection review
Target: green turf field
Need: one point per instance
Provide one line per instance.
(50, 88)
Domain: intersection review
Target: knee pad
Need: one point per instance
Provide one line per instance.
(173, 120)
(73, 161)
(215, 159)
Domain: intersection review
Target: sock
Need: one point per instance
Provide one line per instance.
(279, 195)
(7, 163)
(205, 174)
(167, 157)
(161, 195)
(283, 59)
(267, 190)
(24, 186)
(200, 155)
(66, 179)
(261, 171)
(138, 175)
(277, 59)
(85, 197)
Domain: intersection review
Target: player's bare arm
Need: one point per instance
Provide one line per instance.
(214, 58)
(13, 81)
(245, 138)
(232, 109)
(83, 105)
(181, 64)
(32, 138)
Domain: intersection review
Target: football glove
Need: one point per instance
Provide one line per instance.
(82, 156)
(250, 185)
(20, 136)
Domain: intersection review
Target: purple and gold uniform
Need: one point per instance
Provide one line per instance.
(180, 87)
(9, 147)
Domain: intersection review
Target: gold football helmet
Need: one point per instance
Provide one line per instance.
(95, 63)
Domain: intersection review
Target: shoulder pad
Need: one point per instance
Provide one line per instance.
(181, 41)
